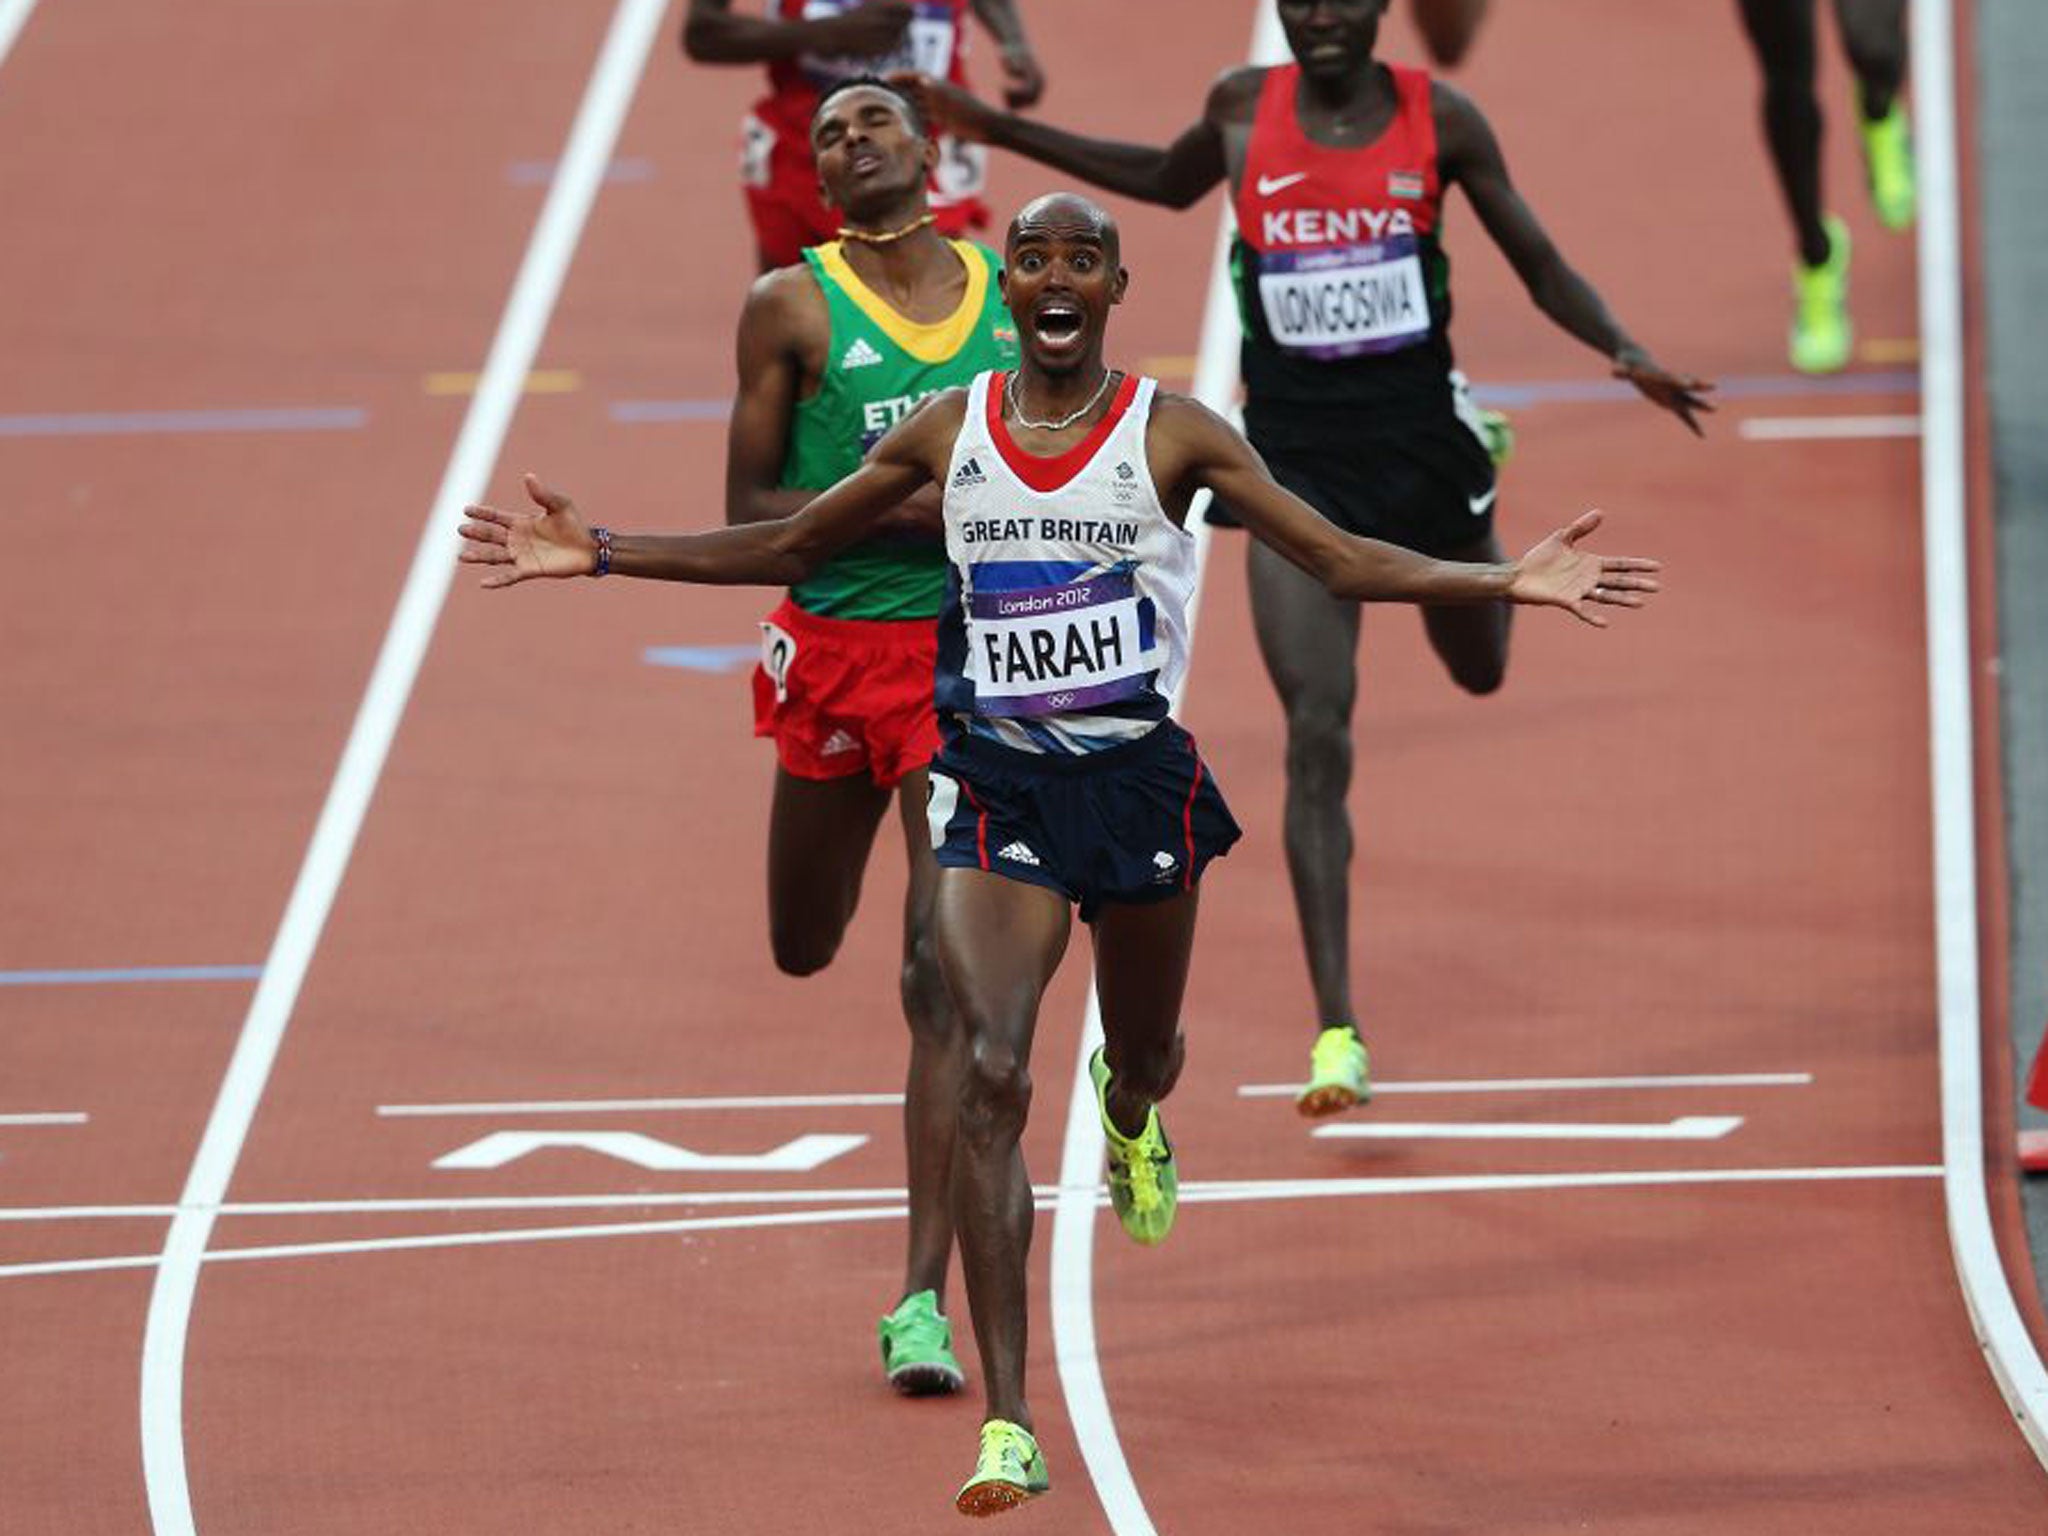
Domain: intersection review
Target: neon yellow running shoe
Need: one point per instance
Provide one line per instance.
(1144, 1187)
(917, 1348)
(1888, 164)
(1821, 332)
(1339, 1074)
(1009, 1471)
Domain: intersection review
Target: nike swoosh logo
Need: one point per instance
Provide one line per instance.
(1268, 185)
(1479, 504)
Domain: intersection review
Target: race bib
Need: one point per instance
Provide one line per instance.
(926, 45)
(1346, 301)
(778, 650)
(1047, 650)
(962, 173)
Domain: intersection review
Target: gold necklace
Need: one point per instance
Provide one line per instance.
(1017, 405)
(887, 236)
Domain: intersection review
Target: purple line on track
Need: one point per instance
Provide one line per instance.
(133, 973)
(345, 418)
(703, 658)
(1773, 386)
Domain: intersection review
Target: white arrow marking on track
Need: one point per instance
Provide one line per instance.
(799, 1156)
(1685, 1128)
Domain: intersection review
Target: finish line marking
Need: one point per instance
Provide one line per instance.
(1090, 1197)
(1685, 1128)
(636, 1106)
(1814, 429)
(1555, 1084)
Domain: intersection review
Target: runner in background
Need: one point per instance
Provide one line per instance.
(809, 45)
(1339, 167)
(1448, 27)
(1785, 36)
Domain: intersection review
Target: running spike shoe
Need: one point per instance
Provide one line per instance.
(1888, 164)
(1144, 1187)
(917, 1348)
(1339, 1074)
(1008, 1471)
(1821, 332)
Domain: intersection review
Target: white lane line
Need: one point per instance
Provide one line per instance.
(60, 1117)
(637, 1106)
(2015, 1362)
(13, 17)
(1073, 1224)
(1091, 1197)
(1554, 1084)
(1810, 429)
(1685, 1128)
(634, 26)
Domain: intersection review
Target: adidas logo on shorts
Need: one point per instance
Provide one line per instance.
(860, 355)
(968, 474)
(836, 743)
(1017, 853)
(1163, 866)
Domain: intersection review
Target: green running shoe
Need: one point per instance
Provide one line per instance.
(1498, 433)
(1888, 165)
(1009, 1471)
(1339, 1074)
(1144, 1188)
(1821, 333)
(917, 1348)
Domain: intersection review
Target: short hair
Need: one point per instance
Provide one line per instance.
(912, 114)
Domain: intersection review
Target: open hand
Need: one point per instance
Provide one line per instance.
(1559, 573)
(521, 545)
(947, 108)
(1680, 394)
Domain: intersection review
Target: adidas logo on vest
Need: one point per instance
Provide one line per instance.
(968, 474)
(860, 355)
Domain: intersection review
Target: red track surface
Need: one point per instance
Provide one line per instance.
(1694, 845)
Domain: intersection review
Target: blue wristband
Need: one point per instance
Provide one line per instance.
(604, 551)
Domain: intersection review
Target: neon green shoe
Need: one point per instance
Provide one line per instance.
(1009, 1471)
(1144, 1187)
(1888, 165)
(1339, 1074)
(917, 1348)
(1821, 332)
(1498, 433)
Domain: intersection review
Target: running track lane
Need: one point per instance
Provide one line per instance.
(1757, 1346)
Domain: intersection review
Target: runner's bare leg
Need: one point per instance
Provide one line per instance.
(1309, 640)
(1141, 973)
(999, 943)
(938, 1058)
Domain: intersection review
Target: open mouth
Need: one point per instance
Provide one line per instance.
(864, 161)
(1057, 322)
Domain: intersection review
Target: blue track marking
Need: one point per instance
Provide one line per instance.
(344, 418)
(131, 973)
(703, 658)
(638, 412)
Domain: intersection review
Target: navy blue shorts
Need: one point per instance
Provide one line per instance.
(1131, 824)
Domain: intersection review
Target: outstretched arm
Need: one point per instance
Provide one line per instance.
(712, 34)
(555, 541)
(1470, 155)
(1177, 175)
(1201, 449)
